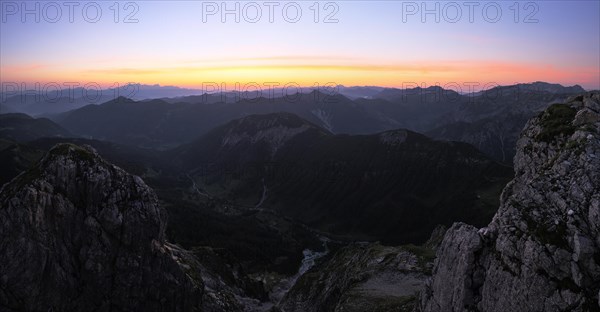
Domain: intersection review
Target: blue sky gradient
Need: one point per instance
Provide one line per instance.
(369, 45)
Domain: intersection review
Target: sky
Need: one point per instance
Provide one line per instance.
(353, 43)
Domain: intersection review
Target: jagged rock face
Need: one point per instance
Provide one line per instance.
(541, 251)
(80, 234)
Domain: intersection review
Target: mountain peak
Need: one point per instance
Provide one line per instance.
(93, 236)
(85, 152)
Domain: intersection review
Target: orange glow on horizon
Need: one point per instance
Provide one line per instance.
(307, 74)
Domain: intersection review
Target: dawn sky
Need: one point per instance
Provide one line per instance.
(185, 43)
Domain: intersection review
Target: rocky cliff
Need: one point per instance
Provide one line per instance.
(541, 252)
(80, 234)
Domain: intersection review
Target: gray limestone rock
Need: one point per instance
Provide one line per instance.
(541, 252)
(80, 234)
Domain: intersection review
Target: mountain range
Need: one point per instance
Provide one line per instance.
(490, 120)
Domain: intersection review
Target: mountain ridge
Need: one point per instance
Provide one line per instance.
(22, 127)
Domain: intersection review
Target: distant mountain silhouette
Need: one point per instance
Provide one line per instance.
(444, 114)
(55, 101)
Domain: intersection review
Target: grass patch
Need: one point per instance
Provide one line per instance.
(556, 121)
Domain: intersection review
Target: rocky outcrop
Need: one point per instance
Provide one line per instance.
(362, 277)
(541, 251)
(80, 234)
